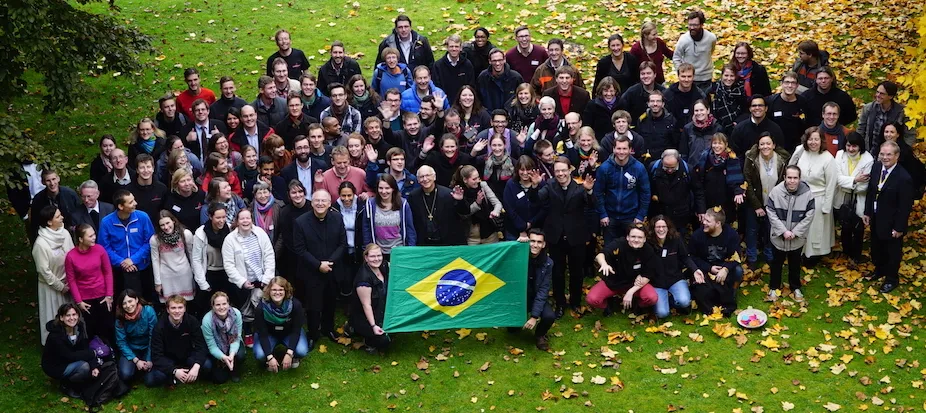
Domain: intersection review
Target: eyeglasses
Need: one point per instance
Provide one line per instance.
(758, 105)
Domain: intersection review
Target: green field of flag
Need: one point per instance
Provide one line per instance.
(437, 288)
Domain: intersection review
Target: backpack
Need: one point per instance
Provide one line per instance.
(105, 387)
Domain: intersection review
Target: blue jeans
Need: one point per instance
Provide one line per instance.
(76, 372)
(127, 369)
(681, 298)
(757, 229)
(300, 350)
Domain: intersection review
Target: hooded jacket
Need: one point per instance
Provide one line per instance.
(790, 211)
(383, 79)
(59, 351)
(659, 133)
(412, 103)
(409, 237)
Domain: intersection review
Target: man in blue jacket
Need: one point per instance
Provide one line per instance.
(622, 188)
(411, 97)
(124, 234)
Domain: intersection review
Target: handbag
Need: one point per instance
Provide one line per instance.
(100, 348)
(847, 209)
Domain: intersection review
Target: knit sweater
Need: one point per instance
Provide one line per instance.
(89, 273)
(698, 53)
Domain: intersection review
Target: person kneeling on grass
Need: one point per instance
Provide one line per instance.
(177, 347)
(714, 250)
(626, 265)
(369, 304)
(279, 319)
(673, 254)
(222, 334)
(135, 321)
(539, 279)
(67, 356)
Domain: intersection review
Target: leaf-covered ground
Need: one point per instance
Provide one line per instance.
(848, 349)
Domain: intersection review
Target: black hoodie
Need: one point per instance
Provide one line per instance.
(59, 351)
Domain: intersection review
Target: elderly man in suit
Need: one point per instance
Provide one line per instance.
(92, 210)
(887, 211)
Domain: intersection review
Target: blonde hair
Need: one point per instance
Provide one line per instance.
(178, 175)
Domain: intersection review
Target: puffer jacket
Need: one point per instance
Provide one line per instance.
(789, 211)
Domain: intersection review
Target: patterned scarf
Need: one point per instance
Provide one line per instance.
(706, 123)
(171, 240)
(746, 74)
(265, 214)
(225, 331)
(278, 315)
(505, 171)
(717, 159)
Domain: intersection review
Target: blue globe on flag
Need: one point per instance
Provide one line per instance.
(455, 287)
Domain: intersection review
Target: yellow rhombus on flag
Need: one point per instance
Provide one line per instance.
(472, 285)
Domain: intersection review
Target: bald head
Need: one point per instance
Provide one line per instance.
(248, 116)
(426, 177)
(573, 122)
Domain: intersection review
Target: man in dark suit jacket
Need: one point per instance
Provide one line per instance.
(320, 242)
(887, 210)
(566, 230)
(92, 210)
(250, 132)
(578, 98)
(303, 162)
(198, 133)
(119, 178)
(437, 211)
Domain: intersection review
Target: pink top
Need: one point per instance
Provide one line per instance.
(89, 273)
(355, 175)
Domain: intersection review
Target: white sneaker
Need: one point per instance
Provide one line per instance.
(798, 295)
(294, 364)
(772, 296)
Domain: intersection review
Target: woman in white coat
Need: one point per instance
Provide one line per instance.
(818, 169)
(854, 166)
(49, 251)
(249, 262)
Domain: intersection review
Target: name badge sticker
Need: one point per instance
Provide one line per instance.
(637, 266)
(520, 194)
(534, 63)
(133, 230)
(176, 208)
(665, 253)
(777, 114)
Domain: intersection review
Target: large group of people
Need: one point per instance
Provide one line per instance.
(244, 225)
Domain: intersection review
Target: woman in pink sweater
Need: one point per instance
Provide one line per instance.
(90, 279)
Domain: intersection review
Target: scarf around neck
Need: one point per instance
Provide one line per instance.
(544, 124)
(505, 171)
(265, 213)
(278, 315)
(171, 240)
(836, 131)
(215, 239)
(745, 73)
(362, 99)
(706, 123)
(225, 331)
(54, 237)
(133, 316)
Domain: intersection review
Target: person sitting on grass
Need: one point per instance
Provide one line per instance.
(67, 356)
(278, 319)
(676, 262)
(222, 333)
(369, 305)
(177, 347)
(135, 321)
(627, 265)
(714, 250)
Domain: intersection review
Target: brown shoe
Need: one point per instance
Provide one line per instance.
(543, 343)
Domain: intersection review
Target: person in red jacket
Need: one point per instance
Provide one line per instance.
(194, 91)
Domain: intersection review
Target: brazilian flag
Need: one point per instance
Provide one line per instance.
(436, 288)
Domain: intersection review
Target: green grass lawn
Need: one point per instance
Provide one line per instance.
(848, 346)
